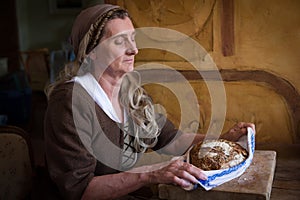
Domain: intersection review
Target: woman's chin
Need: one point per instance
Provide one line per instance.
(130, 68)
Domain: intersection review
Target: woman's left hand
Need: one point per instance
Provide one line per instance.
(237, 131)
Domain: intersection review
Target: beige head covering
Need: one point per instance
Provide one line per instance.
(85, 19)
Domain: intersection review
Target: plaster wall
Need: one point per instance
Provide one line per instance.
(266, 38)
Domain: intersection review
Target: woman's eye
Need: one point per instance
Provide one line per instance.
(133, 38)
(119, 41)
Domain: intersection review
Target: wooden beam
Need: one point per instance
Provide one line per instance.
(227, 27)
(280, 85)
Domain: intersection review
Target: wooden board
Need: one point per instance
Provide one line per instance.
(255, 183)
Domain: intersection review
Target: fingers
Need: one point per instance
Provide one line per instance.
(242, 127)
(237, 131)
(193, 171)
(187, 174)
(245, 125)
(251, 125)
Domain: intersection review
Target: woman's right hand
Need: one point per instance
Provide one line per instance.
(177, 172)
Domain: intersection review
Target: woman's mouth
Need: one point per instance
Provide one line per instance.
(129, 61)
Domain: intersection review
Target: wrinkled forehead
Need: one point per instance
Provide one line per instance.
(118, 26)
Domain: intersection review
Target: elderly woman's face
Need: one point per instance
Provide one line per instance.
(116, 51)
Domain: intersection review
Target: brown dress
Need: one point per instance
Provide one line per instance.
(81, 141)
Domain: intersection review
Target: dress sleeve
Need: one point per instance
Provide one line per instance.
(70, 163)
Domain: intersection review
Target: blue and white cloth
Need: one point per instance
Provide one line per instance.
(218, 177)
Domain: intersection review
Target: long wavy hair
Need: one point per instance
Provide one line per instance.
(138, 105)
(140, 110)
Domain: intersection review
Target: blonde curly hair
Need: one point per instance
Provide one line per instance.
(140, 110)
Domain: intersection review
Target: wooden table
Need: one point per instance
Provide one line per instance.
(255, 183)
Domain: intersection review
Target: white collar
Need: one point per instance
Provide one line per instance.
(93, 88)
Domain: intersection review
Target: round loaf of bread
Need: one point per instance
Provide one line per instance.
(217, 154)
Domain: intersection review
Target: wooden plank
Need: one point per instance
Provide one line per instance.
(255, 183)
(227, 27)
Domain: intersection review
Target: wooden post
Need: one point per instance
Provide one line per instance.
(227, 27)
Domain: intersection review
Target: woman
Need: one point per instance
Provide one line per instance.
(96, 128)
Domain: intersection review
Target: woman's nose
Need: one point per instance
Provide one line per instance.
(131, 48)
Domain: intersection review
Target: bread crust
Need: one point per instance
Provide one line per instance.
(217, 154)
